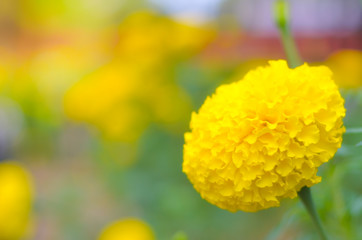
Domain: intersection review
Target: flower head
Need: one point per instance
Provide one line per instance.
(15, 201)
(127, 229)
(261, 139)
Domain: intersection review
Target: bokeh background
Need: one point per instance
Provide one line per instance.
(95, 96)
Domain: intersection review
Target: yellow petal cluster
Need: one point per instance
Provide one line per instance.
(15, 201)
(127, 229)
(261, 139)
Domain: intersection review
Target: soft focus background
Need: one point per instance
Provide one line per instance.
(95, 96)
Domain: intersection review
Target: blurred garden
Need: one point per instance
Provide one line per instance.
(96, 96)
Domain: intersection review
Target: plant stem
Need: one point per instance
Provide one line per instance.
(306, 197)
(281, 16)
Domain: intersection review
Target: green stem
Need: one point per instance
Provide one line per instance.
(281, 16)
(306, 197)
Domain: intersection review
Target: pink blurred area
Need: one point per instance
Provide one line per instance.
(319, 28)
(246, 27)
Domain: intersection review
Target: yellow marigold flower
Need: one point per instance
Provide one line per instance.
(346, 67)
(261, 139)
(15, 201)
(127, 229)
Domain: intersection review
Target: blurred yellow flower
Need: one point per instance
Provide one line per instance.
(58, 15)
(127, 229)
(38, 83)
(151, 38)
(138, 85)
(262, 139)
(346, 66)
(121, 99)
(16, 195)
(54, 69)
(3, 76)
(5, 62)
